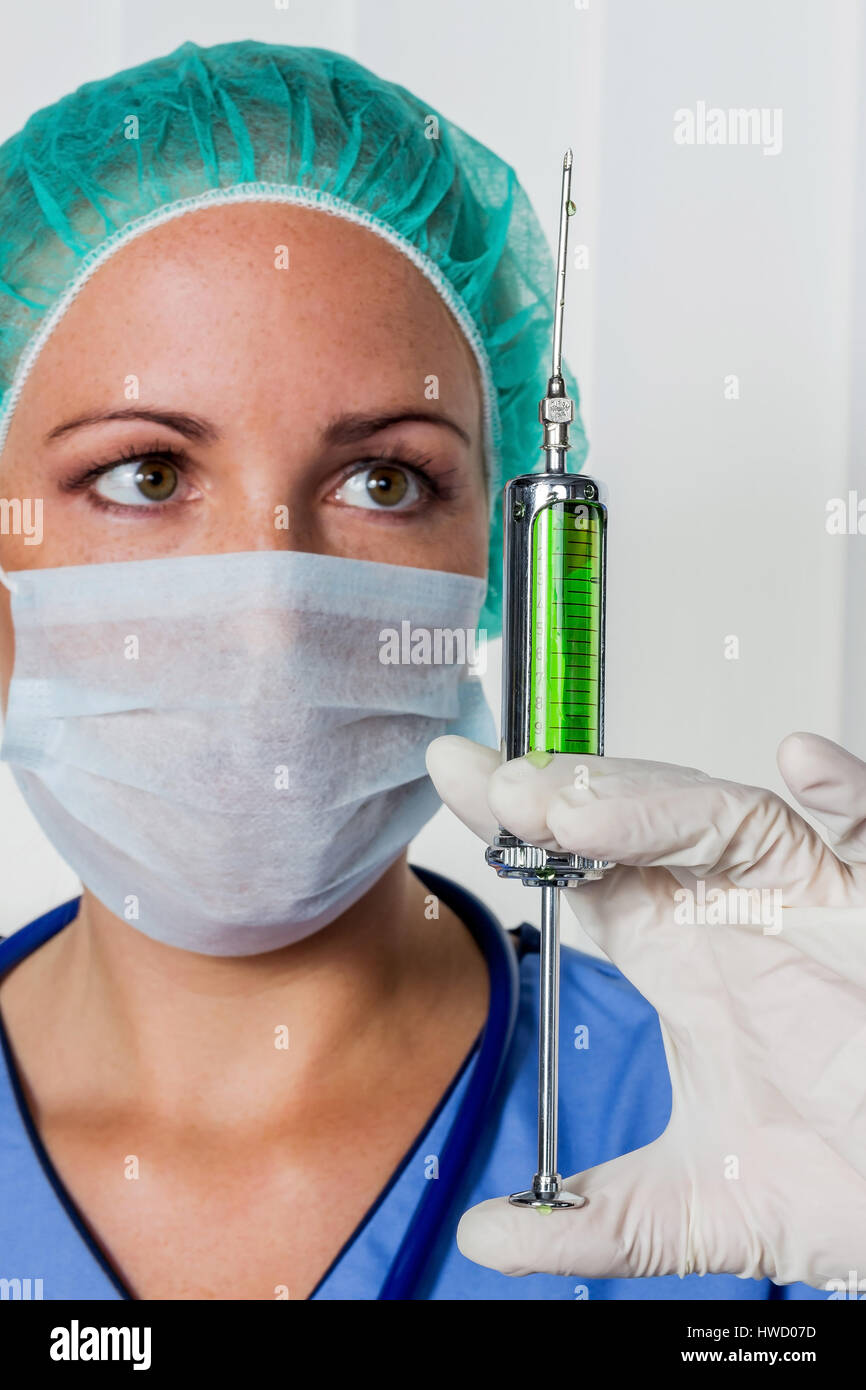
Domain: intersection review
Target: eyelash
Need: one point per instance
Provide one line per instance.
(413, 461)
(160, 452)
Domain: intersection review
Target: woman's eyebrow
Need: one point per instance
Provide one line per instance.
(350, 429)
(192, 426)
(345, 429)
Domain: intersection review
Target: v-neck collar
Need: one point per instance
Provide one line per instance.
(465, 906)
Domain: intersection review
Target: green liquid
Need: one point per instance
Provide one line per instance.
(565, 685)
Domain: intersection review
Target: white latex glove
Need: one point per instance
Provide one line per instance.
(761, 1171)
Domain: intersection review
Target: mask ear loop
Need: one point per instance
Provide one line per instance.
(12, 586)
(5, 417)
(7, 581)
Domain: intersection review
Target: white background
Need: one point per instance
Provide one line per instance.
(704, 261)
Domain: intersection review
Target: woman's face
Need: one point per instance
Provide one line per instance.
(198, 398)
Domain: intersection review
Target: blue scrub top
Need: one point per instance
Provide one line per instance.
(615, 1096)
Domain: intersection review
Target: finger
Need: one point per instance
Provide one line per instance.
(747, 834)
(633, 1224)
(521, 790)
(460, 771)
(484, 793)
(831, 782)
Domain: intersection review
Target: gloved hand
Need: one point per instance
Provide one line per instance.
(761, 1171)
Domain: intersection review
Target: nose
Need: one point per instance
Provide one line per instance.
(264, 502)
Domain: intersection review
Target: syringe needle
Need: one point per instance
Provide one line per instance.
(565, 209)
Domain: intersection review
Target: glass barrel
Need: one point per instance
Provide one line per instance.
(566, 638)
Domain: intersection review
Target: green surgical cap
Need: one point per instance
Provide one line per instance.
(253, 121)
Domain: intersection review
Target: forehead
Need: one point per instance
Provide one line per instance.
(278, 293)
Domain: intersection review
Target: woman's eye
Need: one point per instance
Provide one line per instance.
(382, 486)
(138, 482)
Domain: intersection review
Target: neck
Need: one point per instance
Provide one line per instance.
(173, 1030)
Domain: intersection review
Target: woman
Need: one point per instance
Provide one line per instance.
(273, 334)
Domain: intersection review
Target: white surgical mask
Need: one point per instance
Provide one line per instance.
(224, 747)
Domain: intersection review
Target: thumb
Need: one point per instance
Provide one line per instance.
(460, 771)
(634, 1223)
(829, 781)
